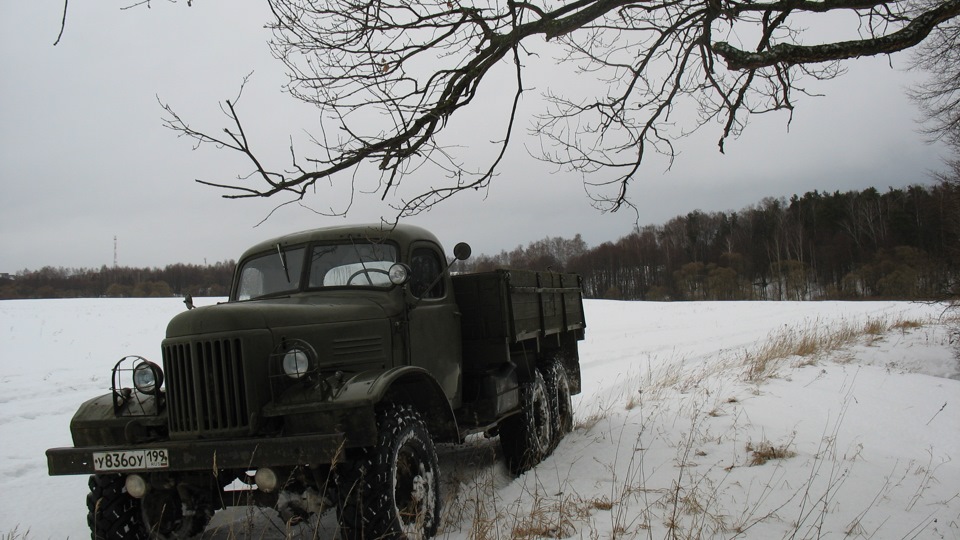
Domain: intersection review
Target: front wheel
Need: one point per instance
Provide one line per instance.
(166, 517)
(112, 514)
(392, 491)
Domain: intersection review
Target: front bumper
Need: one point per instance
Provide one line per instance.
(209, 455)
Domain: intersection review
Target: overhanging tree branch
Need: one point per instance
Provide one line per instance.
(389, 75)
(791, 54)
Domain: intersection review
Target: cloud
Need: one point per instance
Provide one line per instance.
(85, 156)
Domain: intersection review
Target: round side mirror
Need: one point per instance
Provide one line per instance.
(399, 274)
(462, 251)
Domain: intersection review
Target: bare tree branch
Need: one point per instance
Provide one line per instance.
(388, 75)
(939, 97)
(63, 23)
(790, 54)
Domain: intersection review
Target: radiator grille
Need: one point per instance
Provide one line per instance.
(205, 387)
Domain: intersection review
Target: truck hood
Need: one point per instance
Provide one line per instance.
(275, 313)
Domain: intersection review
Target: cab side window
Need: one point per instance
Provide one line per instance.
(425, 268)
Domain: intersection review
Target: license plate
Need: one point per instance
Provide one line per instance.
(127, 460)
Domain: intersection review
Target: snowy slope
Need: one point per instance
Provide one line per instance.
(667, 426)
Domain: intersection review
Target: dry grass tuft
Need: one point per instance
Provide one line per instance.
(590, 421)
(634, 401)
(547, 519)
(766, 451)
(602, 503)
(15, 534)
(906, 325)
(876, 327)
(484, 523)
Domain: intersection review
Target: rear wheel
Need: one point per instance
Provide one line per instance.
(392, 490)
(561, 403)
(525, 437)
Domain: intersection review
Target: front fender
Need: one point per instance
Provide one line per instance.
(352, 407)
(96, 424)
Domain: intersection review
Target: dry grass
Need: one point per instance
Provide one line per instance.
(695, 504)
(811, 342)
(547, 519)
(765, 451)
(906, 325)
(702, 496)
(602, 503)
(15, 534)
(536, 515)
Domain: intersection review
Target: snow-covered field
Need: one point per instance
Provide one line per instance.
(674, 414)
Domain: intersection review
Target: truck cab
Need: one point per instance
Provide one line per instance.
(325, 306)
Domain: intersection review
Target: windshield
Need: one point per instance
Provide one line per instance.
(271, 273)
(351, 265)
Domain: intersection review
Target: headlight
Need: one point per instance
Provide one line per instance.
(293, 359)
(147, 377)
(296, 363)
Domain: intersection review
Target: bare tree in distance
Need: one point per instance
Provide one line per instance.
(939, 96)
(388, 76)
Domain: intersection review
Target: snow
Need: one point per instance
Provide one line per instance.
(869, 434)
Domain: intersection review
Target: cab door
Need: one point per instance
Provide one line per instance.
(434, 320)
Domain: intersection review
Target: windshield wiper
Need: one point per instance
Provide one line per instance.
(283, 261)
(366, 273)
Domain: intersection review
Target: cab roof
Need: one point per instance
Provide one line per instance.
(402, 234)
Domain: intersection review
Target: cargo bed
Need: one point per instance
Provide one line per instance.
(502, 308)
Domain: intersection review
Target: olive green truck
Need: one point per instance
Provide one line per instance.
(342, 356)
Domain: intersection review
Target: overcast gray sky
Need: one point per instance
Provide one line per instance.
(85, 157)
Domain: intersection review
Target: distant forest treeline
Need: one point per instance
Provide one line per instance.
(173, 280)
(902, 244)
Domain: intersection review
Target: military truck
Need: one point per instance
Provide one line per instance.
(342, 356)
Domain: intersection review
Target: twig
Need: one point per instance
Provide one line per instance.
(938, 412)
(63, 23)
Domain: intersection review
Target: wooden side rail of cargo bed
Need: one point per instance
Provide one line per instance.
(558, 305)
